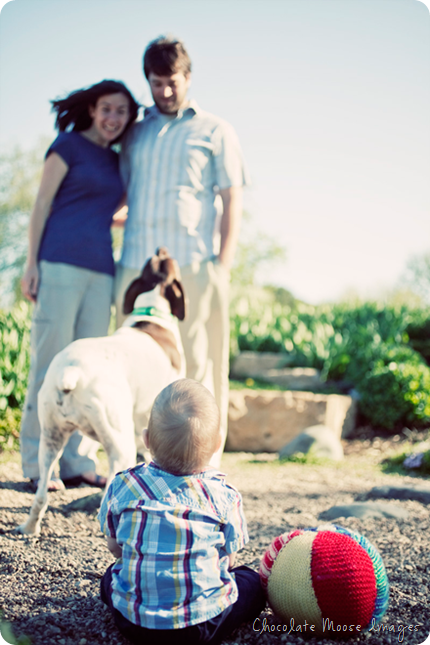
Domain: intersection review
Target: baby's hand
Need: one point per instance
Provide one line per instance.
(114, 547)
(231, 560)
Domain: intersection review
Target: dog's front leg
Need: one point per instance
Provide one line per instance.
(50, 449)
(120, 458)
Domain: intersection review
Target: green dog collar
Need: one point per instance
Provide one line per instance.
(152, 311)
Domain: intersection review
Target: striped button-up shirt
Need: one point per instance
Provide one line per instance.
(176, 533)
(173, 168)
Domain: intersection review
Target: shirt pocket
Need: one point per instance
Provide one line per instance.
(189, 209)
(198, 156)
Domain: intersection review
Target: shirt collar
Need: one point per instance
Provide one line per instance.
(192, 108)
(209, 473)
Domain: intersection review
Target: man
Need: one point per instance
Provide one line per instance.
(184, 174)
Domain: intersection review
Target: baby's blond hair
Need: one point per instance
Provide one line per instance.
(184, 427)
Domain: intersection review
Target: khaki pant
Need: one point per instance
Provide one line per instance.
(71, 303)
(206, 331)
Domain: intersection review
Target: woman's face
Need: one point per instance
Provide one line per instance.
(110, 116)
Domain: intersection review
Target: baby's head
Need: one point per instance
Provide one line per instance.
(184, 427)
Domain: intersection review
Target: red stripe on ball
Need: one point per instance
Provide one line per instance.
(343, 579)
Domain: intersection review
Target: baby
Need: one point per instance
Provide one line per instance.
(174, 527)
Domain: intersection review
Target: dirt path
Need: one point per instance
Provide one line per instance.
(49, 587)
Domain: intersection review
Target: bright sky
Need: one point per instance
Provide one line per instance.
(330, 99)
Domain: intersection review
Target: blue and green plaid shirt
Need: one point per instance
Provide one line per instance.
(176, 533)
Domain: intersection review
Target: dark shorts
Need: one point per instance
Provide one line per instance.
(248, 606)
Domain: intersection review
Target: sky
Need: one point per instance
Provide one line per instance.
(330, 99)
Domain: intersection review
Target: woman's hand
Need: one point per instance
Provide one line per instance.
(30, 283)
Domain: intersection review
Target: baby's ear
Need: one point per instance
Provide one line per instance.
(146, 439)
(219, 441)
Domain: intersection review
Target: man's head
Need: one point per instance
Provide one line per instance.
(167, 67)
(184, 427)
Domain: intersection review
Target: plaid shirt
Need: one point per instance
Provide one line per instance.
(176, 533)
(173, 169)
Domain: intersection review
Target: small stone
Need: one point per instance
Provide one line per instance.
(83, 641)
(319, 439)
(420, 493)
(364, 510)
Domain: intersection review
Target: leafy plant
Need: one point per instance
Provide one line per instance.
(397, 389)
(418, 331)
(10, 422)
(14, 355)
(14, 367)
(364, 346)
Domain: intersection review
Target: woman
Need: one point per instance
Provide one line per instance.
(70, 267)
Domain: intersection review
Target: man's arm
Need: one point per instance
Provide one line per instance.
(230, 224)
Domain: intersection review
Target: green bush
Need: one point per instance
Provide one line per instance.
(365, 346)
(418, 331)
(10, 423)
(369, 347)
(397, 389)
(14, 367)
(14, 355)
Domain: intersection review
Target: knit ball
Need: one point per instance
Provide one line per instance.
(328, 576)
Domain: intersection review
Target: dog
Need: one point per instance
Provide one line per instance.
(105, 387)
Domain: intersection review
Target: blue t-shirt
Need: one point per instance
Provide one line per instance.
(78, 229)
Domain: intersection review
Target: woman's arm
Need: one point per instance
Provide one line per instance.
(54, 171)
(114, 547)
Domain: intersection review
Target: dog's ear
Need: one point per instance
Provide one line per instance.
(174, 293)
(154, 272)
(135, 289)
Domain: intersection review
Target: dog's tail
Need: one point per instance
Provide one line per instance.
(68, 379)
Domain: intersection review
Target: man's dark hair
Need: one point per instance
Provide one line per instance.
(165, 56)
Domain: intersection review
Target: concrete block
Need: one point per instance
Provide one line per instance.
(265, 420)
(253, 364)
(273, 368)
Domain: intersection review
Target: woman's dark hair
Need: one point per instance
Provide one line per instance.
(165, 56)
(73, 109)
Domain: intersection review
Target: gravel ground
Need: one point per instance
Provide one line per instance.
(49, 587)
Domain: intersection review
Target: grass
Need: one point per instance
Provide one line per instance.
(367, 461)
(307, 459)
(394, 463)
(256, 384)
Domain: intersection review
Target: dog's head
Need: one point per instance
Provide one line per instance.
(161, 270)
